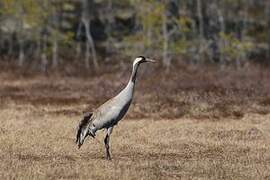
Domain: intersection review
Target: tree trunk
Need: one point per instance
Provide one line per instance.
(87, 55)
(108, 26)
(21, 37)
(87, 14)
(267, 14)
(201, 30)
(91, 44)
(38, 49)
(10, 45)
(21, 53)
(55, 54)
(78, 43)
(44, 63)
(166, 60)
(78, 50)
(243, 56)
(220, 40)
(44, 59)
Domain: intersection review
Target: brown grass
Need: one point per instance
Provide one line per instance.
(41, 146)
(192, 124)
(200, 93)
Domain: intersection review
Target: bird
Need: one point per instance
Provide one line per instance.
(111, 112)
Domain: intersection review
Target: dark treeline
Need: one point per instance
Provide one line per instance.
(48, 33)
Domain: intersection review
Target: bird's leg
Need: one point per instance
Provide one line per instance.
(93, 135)
(92, 131)
(106, 142)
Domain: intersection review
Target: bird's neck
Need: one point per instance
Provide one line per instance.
(134, 73)
(132, 80)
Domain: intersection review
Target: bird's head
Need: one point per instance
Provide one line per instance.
(142, 59)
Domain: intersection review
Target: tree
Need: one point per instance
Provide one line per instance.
(87, 15)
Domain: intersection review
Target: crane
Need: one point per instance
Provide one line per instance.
(110, 113)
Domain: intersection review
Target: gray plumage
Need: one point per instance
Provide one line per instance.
(110, 113)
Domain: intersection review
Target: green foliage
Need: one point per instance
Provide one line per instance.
(180, 46)
(132, 44)
(185, 24)
(68, 38)
(29, 12)
(222, 20)
(234, 47)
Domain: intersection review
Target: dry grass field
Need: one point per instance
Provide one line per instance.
(218, 129)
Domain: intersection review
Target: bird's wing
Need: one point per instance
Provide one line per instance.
(83, 127)
(106, 113)
(110, 113)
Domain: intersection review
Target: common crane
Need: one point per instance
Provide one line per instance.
(110, 113)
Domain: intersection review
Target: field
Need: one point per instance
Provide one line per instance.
(182, 125)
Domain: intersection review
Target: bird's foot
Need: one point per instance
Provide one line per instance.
(108, 158)
(108, 155)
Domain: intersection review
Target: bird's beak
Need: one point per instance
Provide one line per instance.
(150, 60)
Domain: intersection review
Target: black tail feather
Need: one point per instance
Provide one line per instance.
(82, 127)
